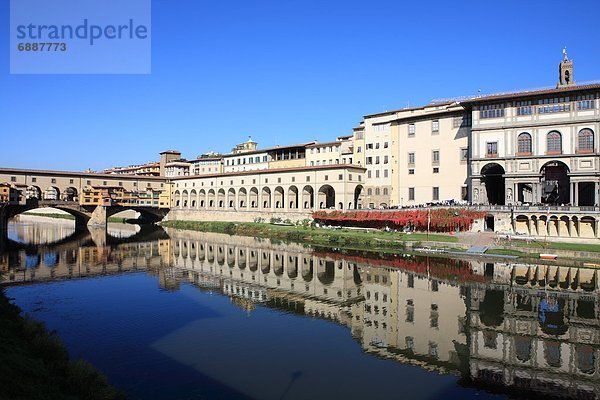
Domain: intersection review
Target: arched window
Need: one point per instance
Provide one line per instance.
(524, 142)
(369, 191)
(585, 141)
(554, 143)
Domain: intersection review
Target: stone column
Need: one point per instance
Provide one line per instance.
(576, 191)
(572, 196)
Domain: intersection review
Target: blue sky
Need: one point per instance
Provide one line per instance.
(284, 72)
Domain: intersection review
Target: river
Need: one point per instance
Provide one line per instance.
(169, 314)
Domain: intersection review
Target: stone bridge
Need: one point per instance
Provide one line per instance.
(85, 215)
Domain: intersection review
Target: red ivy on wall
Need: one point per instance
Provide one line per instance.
(442, 219)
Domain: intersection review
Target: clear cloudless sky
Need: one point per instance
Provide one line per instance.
(285, 72)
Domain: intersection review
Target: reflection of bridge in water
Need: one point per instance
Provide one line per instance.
(530, 328)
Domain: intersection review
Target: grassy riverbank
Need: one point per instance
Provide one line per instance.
(342, 238)
(35, 365)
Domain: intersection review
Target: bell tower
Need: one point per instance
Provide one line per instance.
(565, 71)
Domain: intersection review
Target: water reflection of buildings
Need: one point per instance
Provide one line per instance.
(530, 328)
(73, 260)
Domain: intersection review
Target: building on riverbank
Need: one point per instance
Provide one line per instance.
(537, 146)
(286, 193)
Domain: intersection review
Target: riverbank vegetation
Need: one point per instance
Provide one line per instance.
(35, 365)
(346, 238)
(434, 220)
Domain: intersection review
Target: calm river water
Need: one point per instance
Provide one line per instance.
(190, 315)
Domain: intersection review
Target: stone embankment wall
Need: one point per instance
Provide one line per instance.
(233, 216)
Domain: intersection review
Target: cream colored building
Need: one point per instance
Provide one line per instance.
(537, 147)
(430, 154)
(300, 189)
(207, 164)
(373, 149)
(177, 168)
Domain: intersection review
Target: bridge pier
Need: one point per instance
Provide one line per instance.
(3, 223)
(98, 234)
(99, 217)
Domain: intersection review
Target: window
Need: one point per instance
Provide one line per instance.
(54, 181)
(554, 105)
(411, 130)
(34, 180)
(377, 160)
(369, 160)
(369, 146)
(436, 170)
(120, 183)
(381, 127)
(411, 171)
(524, 144)
(385, 159)
(492, 149)
(376, 145)
(585, 102)
(411, 158)
(464, 193)
(436, 193)
(369, 191)
(377, 174)
(377, 192)
(369, 174)
(71, 181)
(464, 154)
(385, 145)
(491, 111)
(308, 179)
(358, 149)
(411, 193)
(435, 126)
(554, 143)
(523, 107)
(340, 177)
(435, 156)
(385, 193)
(585, 140)
(326, 177)
(385, 173)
